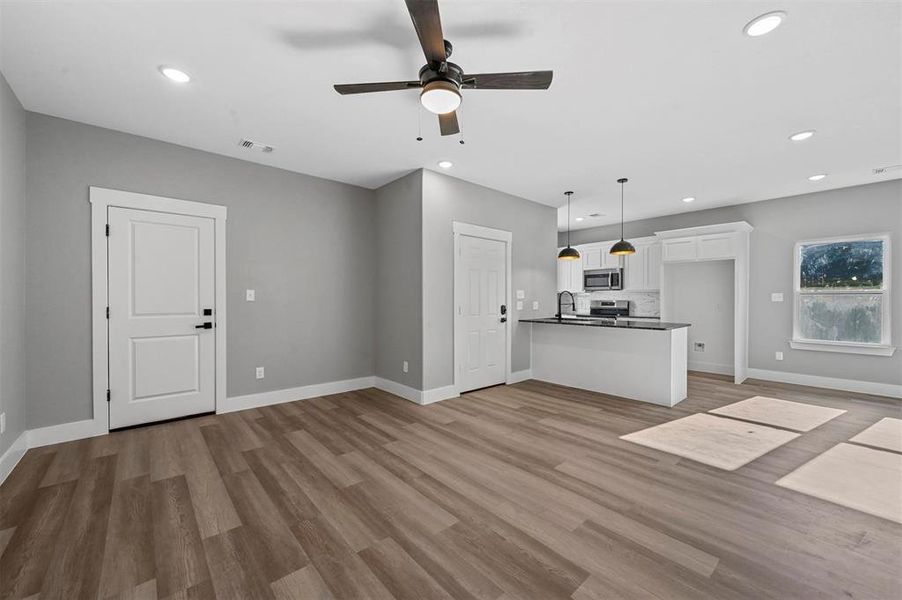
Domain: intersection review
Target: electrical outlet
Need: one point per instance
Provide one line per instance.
(250, 295)
(778, 356)
(519, 305)
(2, 423)
(521, 294)
(699, 346)
(260, 373)
(535, 305)
(776, 297)
(404, 366)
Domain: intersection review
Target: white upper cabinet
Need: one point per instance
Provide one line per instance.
(653, 267)
(642, 270)
(608, 260)
(598, 256)
(708, 242)
(680, 249)
(717, 245)
(591, 256)
(570, 274)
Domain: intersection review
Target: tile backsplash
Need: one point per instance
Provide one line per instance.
(642, 304)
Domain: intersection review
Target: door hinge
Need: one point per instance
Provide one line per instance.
(108, 395)
(107, 312)
(108, 230)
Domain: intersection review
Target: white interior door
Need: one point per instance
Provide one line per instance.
(482, 322)
(161, 280)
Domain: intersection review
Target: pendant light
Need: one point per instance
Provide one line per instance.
(622, 247)
(568, 253)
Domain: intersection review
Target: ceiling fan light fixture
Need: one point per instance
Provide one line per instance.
(440, 97)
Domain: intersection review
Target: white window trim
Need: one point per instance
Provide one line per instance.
(885, 347)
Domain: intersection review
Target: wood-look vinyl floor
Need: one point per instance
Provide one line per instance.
(520, 491)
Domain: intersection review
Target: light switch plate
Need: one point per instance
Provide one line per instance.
(260, 373)
(405, 366)
(519, 305)
(3, 422)
(776, 297)
(521, 294)
(535, 305)
(250, 295)
(778, 356)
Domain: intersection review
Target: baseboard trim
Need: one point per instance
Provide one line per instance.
(518, 376)
(304, 392)
(439, 394)
(64, 432)
(13, 455)
(835, 383)
(416, 396)
(709, 367)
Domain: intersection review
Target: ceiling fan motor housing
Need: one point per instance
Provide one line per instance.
(447, 71)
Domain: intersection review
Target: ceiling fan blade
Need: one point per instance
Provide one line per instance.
(525, 80)
(365, 88)
(428, 23)
(448, 123)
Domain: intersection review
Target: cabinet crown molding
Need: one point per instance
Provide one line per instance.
(735, 227)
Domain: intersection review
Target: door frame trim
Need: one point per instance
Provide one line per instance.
(471, 230)
(101, 199)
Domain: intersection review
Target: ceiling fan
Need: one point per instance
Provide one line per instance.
(441, 81)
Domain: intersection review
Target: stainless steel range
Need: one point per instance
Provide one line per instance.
(609, 308)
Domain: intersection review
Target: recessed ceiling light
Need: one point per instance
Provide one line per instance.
(445, 164)
(817, 177)
(578, 218)
(175, 74)
(802, 135)
(764, 24)
(688, 199)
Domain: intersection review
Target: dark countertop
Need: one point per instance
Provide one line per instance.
(614, 323)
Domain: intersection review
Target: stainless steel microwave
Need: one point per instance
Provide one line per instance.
(602, 279)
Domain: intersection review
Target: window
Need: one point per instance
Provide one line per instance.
(842, 295)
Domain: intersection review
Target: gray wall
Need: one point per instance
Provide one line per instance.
(779, 224)
(399, 273)
(304, 244)
(702, 294)
(12, 264)
(445, 200)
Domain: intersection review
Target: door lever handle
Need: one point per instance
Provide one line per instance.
(504, 319)
(207, 325)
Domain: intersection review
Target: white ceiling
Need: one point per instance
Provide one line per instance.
(669, 94)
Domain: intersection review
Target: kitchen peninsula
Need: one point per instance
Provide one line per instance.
(641, 360)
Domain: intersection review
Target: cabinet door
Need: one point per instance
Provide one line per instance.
(634, 270)
(716, 245)
(679, 249)
(576, 276)
(608, 260)
(653, 267)
(563, 274)
(591, 257)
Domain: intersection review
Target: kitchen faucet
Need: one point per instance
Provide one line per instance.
(560, 297)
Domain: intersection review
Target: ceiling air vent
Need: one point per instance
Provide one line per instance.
(252, 145)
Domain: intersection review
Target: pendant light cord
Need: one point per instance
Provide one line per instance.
(621, 209)
(568, 194)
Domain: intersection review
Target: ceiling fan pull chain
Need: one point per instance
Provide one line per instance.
(419, 123)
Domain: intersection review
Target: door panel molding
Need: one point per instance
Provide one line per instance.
(101, 200)
(459, 344)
